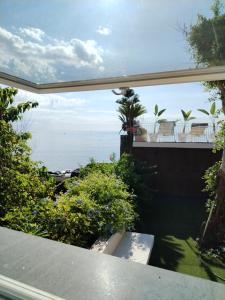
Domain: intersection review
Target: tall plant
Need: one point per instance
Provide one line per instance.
(157, 114)
(213, 113)
(207, 42)
(129, 109)
(186, 118)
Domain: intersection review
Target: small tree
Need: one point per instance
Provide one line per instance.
(20, 178)
(129, 109)
(207, 42)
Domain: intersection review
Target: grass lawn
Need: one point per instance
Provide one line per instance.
(176, 224)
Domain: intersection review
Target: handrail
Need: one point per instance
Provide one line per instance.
(15, 290)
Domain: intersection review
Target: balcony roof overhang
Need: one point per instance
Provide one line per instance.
(171, 77)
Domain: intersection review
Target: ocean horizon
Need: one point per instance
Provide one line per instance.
(69, 150)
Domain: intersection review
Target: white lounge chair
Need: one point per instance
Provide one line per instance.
(166, 129)
(198, 130)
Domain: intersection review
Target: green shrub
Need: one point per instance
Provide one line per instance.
(27, 219)
(98, 204)
(126, 169)
(111, 195)
(93, 166)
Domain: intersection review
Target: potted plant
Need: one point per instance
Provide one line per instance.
(186, 118)
(213, 113)
(129, 109)
(153, 136)
(141, 134)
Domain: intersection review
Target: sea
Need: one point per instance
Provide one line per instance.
(60, 151)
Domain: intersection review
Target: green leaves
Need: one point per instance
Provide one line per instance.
(187, 115)
(206, 38)
(97, 203)
(161, 112)
(158, 112)
(21, 180)
(213, 111)
(8, 112)
(130, 108)
(203, 111)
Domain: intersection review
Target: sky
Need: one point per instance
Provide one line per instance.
(68, 129)
(58, 40)
(97, 110)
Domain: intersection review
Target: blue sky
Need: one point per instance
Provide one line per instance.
(57, 40)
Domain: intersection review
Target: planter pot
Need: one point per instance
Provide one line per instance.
(141, 138)
(212, 137)
(153, 137)
(182, 137)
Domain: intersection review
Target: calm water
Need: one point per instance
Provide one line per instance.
(61, 150)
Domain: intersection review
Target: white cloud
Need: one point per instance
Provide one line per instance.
(52, 102)
(34, 33)
(104, 30)
(48, 62)
(65, 112)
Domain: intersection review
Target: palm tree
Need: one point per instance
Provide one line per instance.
(129, 109)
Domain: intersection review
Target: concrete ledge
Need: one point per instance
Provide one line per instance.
(135, 247)
(108, 246)
(74, 273)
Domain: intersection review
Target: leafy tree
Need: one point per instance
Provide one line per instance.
(207, 42)
(21, 180)
(129, 109)
(8, 112)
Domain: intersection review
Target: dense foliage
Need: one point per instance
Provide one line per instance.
(206, 38)
(207, 43)
(216, 239)
(129, 170)
(210, 178)
(96, 203)
(21, 179)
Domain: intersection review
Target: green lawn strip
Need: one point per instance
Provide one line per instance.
(183, 256)
(176, 225)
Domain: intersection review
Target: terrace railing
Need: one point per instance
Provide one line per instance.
(170, 131)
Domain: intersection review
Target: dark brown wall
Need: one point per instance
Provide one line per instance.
(179, 170)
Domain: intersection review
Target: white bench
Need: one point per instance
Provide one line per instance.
(127, 245)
